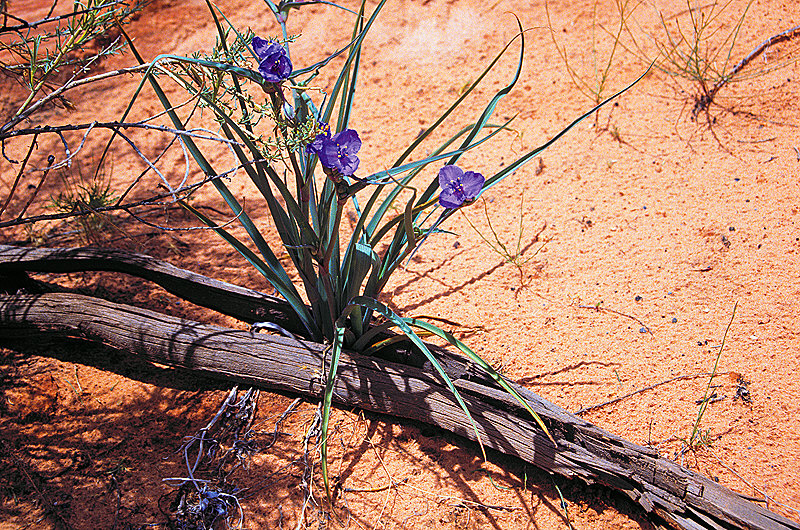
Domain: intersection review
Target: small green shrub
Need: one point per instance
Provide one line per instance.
(80, 194)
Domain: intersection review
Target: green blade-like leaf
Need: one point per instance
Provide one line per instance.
(485, 115)
(354, 52)
(371, 289)
(283, 284)
(403, 184)
(355, 267)
(378, 307)
(327, 400)
(266, 270)
(224, 43)
(362, 260)
(206, 167)
(288, 232)
(381, 176)
(252, 75)
(365, 339)
(358, 234)
(309, 236)
(528, 156)
(349, 91)
(452, 107)
(499, 379)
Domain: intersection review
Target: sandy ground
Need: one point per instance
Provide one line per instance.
(652, 228)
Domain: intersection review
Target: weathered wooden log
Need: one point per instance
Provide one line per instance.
(232, 300)
(679, 496)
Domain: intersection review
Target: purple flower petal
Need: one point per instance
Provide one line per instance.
(260, 46)
(315, 146)
(449, 174)
(275, 67)
(349, 165)
(348, 139)
(450, 199)
(473, 184)
(339, 152)
(328, 154)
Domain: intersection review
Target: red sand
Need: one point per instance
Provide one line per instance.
(662, 222)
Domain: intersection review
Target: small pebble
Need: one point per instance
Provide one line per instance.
(643, 330)
(731, 229)
(674, 320)
(638, 298)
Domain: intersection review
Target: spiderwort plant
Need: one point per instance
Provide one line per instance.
(341, 278)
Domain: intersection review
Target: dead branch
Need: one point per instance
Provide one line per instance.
(661, 487)
(232, 300)
(706, 99)
(665, 490)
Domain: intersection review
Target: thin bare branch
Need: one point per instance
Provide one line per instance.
(19, 176)
(706, 100)
(115, 125)
(73, 83)
(24, 24)
(160, 199)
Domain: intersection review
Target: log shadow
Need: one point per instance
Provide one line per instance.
(90, 450)
(456, 463)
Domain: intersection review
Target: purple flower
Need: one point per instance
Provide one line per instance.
(338, 152)
(274, 64)
(459, 187)
(315, 146)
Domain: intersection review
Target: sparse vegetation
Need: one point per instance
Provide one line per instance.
(592, 72)
(82, 193)
(510, 252)
(700, 437)
(703, 43)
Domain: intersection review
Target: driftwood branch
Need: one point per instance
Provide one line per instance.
(678, 496)
(244, 304)
(705, 101)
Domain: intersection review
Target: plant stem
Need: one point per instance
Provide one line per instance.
(780, 37)
(324, 263)
(68, 46)
(704, 403)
